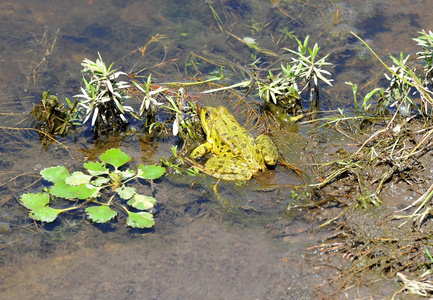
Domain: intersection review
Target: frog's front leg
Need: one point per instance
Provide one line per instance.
(268, 149)
(201, 150)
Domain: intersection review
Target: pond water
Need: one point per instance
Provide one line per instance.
(240, 243)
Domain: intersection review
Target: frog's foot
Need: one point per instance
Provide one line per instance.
(227, 169)
(268, 149)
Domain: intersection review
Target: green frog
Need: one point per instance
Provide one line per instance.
(237, 155)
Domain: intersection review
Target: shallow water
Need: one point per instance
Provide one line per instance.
(200, 248)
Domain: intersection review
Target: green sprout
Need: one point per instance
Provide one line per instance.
(404, 78)
(282, 90)
(193, 171)
(309, 68)
(288, 34)
(102, 189)
(149, 103)
(426, 42)
(398, 90)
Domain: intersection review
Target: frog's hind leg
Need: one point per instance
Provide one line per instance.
(227, 169)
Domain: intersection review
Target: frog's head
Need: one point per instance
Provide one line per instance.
(207, 117)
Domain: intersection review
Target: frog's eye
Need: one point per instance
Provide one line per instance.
(207, 115)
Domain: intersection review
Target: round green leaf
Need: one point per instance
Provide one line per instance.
(96, 168)
(78, 178)
(83, 191)
(115, 157)
(140, 220)
(63, 190)
(44, 214)
(86, 191)
(125, 192)
(150, 171)
(100, 214)
(55, 174)
(142, 202)
(33, 201)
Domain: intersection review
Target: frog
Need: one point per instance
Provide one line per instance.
(237, 155)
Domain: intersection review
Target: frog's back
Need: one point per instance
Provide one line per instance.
(239, 139)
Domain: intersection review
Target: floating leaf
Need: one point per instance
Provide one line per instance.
(86, 191)
(96, 168)
(55, 174)
(44, 214)
(125, 192)
(33, 201)
(63, 190)
(83, 191)
(140, 220)
(127, 174)
(100, 214)
(115, 157)
(100, 181)
(78, 178)
(150, 171)
(142, 202)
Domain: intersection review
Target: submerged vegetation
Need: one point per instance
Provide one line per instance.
(52, 116)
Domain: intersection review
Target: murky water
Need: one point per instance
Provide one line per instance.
(200, 248)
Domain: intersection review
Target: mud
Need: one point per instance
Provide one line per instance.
(204, 259)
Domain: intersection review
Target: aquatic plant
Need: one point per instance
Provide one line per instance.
(426, 42)
(54, 118)
(309, 68)
(186, 123)
(102, 190)
(282, 90)
(305, 68)
(405, 82)
(149, 102)
(102, 96)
